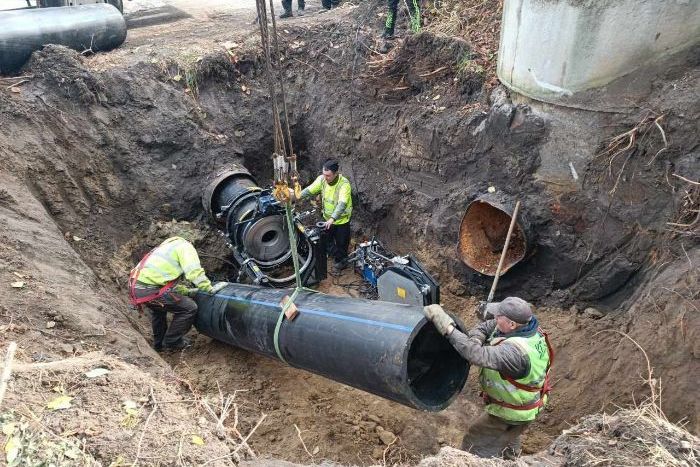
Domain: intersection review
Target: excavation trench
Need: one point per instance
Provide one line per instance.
(112, 158)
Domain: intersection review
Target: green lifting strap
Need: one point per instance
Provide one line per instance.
(297, 274)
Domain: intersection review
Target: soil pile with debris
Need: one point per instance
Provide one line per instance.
(99, 155)
(96, 408)
(628, 437)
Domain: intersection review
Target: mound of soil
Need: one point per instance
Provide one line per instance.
(628, 437)
(122, 416)
(94, 154)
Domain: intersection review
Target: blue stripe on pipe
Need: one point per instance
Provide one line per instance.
(370, 322)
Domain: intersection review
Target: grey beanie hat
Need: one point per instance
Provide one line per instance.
(514, 308)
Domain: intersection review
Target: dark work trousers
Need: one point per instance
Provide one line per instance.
(338, 238)
(183, 309)
(287, 5)
(491, 436)
(413, 13)
(328, 4)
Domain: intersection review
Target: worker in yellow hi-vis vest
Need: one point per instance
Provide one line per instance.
(515, 356)
(336, 202)
(156, 282)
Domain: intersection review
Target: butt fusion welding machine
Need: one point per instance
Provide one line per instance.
(392, 278)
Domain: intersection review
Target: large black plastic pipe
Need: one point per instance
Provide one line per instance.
(224, 188)
(98, 27)
(387, 349)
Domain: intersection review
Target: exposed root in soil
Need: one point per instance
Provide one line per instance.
(687, 223)
(98, 155)
(627, 143)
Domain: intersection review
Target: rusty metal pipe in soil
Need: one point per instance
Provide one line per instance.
(387, 349)
(483, 233)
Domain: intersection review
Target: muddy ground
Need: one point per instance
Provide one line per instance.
(99, 154)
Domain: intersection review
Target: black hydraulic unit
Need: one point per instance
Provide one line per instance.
(255, 227)
(393, 278)
(387, 349)
(97, 27)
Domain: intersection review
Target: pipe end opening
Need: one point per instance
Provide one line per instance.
(482, 236)
(436, 372)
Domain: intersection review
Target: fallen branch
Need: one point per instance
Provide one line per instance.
(145, 425)
(7, 369)
(17, 83)
(306, 64)
(238, 448)
(238, 433)
(250, 433)
(387, 449)
(302, 441)
(9, 78)
(425, 75)
(686, 179)
(225, 409)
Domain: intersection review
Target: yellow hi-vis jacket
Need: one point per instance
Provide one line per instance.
(170, 260)
(331, 195)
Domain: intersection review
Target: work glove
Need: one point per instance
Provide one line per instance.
(439, 318)
(191, 292)
(218, 286)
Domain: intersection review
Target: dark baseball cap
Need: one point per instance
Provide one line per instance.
(514, 308)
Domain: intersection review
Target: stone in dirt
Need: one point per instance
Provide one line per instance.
(593, 313)
(387, 437)
(377, 453)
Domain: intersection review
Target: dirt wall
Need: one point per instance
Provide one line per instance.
(99, 155)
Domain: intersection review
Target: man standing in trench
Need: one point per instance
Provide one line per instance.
(514, 355)
(336, 201)
(154, 283)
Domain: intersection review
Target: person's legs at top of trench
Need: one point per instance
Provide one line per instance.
(414, 15)
(390, 23)
(328, 4)
(287, 7)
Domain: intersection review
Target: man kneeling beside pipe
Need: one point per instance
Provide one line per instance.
(515, 356)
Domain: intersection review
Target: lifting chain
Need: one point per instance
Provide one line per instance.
(283, 159)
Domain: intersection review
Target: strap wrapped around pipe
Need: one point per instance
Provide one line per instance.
(387, 349)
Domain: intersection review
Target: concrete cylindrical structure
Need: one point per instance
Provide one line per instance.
(555, 50)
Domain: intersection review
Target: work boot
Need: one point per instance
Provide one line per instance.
(387, 45)
(286, 14)
(338, 267)
(182, 344)
(387, 34)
